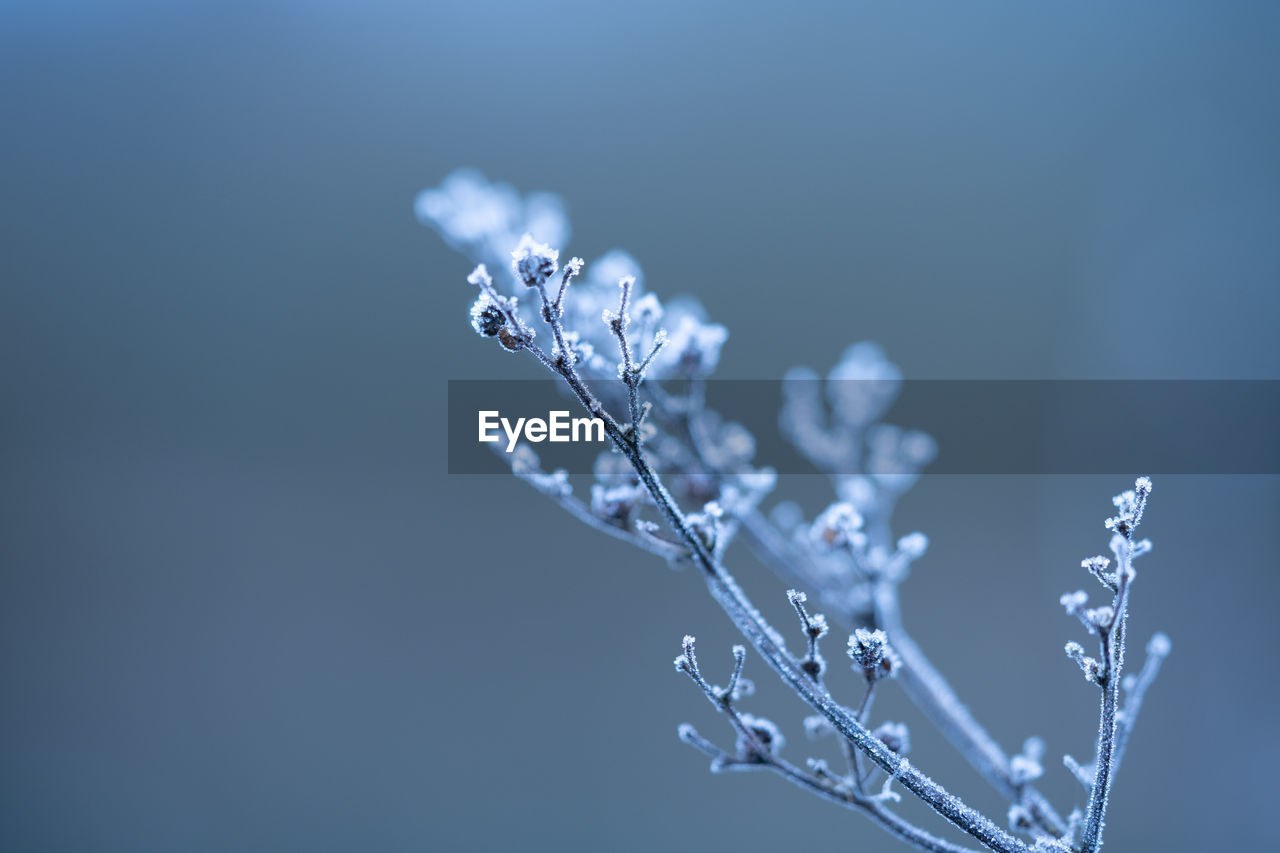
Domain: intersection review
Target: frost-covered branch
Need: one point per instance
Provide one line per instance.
(1108, 624)
(846, 558)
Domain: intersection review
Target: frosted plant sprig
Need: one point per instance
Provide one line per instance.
(1108, 623)
(848, 558)
(759, 633)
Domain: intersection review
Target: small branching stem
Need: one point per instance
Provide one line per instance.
(725, 591)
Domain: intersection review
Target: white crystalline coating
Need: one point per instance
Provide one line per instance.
(1100, 616)
(838, 527)
(818, 766)
(853, 575)
(758, 482)
(914, 545)
(860, 492)
(485, 220)
(867, 648)
(816, 725)
(693, 347)
(647, 309)
(524, 461)
(534, 262)
(862, 384)
(894, 735)
(1159, 645)
(764, 731)
(486, 319)
(1023, 769)
(1074, 601)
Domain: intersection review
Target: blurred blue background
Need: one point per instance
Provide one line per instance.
(243, 607)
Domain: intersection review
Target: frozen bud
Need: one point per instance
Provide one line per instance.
(693, 347)
(1074, 602)
(1020, 818)
(579, 350)
(818, 627)
(524, 462)
(1159, 645)
(858, 491)
(480, 277)
(838, 527)
(1142, 486)
(1087, 665)
(1097, 566)
(1101, 617)
(815, 726)
(895, 736)
(486, 319)
(862, 385)
(759, 481)
(513, 341)
(613, 504)
(913, 545)
(534, 262)
(706, 527)
(1024, 768)
(647, 309)
(765, 735)
(871, 654)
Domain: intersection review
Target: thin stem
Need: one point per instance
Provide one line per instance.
(923, 684)
(818, 784)
(1112, 639)
(1127, 716)
(931, 693)
(768, 644)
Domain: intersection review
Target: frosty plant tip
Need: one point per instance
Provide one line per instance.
(603, 325)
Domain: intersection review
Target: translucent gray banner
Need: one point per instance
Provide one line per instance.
(996, 427)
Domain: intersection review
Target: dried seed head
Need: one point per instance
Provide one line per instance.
(767, 735)
(534, 262)
(871, 654)
(486, 319)
(895, 736)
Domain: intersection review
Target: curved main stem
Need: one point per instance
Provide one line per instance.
(766, 642)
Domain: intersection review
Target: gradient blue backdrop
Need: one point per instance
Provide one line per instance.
(242, 607)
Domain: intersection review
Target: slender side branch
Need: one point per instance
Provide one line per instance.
(764, 639)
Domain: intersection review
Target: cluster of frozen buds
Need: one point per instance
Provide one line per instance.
(846, 555)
